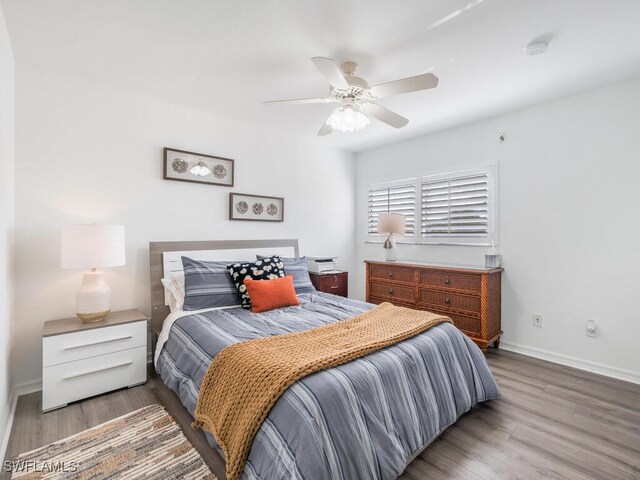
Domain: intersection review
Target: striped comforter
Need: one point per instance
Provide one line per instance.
(363, 420)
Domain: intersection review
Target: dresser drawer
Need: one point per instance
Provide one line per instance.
(57, 349)
(393, 273)
(391, 292)
(467, 303)
(456, 281)
(73, 381)
(463, 322)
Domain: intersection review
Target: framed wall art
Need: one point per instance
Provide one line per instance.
(260, 208)
(194, 167)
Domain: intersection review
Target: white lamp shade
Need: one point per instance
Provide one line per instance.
(347, 119)
(391, 223)
(92, 246)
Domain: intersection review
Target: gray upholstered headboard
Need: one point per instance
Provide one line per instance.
(166, 255)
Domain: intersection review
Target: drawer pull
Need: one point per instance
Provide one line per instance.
(99, 342)
(390, 274)
(447, 301)
(89, 372)
(334, 286)
(447, 281)
(391, 291)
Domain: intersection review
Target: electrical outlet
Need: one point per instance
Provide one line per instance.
(537, 320)
(592, 329)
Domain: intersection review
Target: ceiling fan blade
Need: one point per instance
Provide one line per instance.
(331, 71)
(384, 115)
(302, 101)
(325, 130)
(405, 85)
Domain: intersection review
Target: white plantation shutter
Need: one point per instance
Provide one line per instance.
(454, 208)
(399, 197)
(457, 205)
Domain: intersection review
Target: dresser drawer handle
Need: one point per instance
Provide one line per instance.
(390, 274)
(99, 342)
(334, 286)
(391, 291)
(89, 372)
(447, 281)
(447, 301)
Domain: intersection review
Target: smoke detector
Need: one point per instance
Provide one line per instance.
(536, 48)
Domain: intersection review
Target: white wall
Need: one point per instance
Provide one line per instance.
(86, 153)
(6, 216)
(569, 221)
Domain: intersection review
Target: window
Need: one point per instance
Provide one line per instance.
(457, 206)
(452, 208)
(396, 197)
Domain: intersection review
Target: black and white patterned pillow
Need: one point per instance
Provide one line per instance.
(298, 268)
(264, 269)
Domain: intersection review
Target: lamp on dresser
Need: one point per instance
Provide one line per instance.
(92, 247)
(391, 224)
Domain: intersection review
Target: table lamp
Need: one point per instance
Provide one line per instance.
(92, 246)
(391, 223)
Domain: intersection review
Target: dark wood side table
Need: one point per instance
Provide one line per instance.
(336, 283)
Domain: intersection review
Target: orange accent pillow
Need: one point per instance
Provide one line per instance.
(269, 294)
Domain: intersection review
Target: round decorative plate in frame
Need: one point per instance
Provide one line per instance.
(219, 171)
(272, 209)
(179, 165)
(242, 207)
(258, 208)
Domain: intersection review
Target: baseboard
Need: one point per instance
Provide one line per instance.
(593, 367)
(7, 418)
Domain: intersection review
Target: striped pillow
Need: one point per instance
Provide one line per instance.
(298, 268)
(174, 283)
(207, 284)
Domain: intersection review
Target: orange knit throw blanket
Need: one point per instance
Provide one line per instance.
(245, 380)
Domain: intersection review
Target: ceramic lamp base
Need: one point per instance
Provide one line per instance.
(93, 299)
(93, 317)
(390, 251)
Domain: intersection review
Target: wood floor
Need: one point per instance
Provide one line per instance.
(551, 422)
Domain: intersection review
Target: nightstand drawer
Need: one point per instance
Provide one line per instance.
(334, 283)
(70, 347)
(73, 381)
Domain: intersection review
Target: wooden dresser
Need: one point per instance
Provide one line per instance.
(469, 296)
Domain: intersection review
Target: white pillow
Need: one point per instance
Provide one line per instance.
(174, 283)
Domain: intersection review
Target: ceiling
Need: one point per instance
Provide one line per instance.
(228, 57)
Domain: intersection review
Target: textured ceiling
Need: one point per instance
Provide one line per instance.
(228, 57)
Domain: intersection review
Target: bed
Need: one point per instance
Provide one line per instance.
(366, 419)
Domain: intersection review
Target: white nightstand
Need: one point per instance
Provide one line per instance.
(81, 360)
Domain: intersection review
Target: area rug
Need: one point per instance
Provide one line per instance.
(147, 444)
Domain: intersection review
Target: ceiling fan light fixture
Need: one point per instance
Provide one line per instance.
(348, 119)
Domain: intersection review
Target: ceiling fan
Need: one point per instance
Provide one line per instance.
(358, 101)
